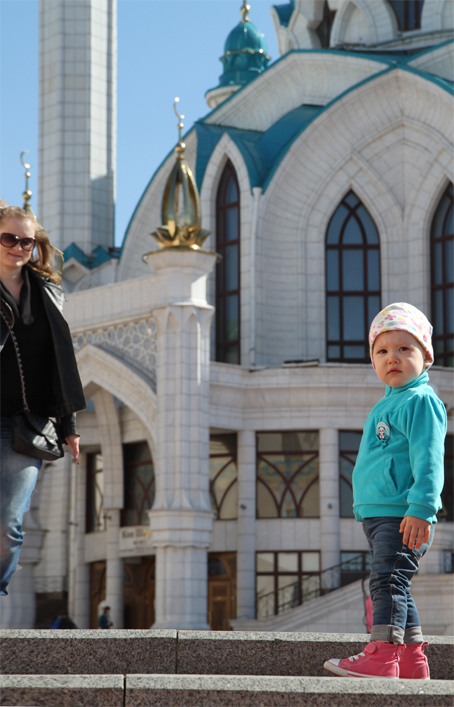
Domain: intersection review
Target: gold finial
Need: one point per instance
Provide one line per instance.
(27, 195)
(180, 210)
(245, 11)
(180, 148)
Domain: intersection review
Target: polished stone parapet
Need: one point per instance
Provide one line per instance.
(62, 690)
(169, 651)
(231, 691)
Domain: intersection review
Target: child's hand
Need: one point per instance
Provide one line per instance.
(415, 530)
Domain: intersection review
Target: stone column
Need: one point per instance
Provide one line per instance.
(112, 453)
(245, 535)
(329, 506)
(79, 575)
(181, 519)
(114, 568)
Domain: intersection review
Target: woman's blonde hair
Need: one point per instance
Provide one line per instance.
(47, 257)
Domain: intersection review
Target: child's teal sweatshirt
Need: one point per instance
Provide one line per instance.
(399, 470)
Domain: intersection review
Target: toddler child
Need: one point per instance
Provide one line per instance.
(397, 482)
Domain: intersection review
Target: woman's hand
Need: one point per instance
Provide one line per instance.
(415, 530)
(73, 442)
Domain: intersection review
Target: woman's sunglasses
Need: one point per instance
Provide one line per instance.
(9, 240)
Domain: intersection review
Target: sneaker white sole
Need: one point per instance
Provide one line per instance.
(341, 672)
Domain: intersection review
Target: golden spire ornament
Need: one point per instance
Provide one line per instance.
(180, 211)
(27, 194)
(245, 11)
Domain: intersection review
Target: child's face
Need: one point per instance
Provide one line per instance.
(398, 358)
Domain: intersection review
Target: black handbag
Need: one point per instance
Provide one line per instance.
(33, 435)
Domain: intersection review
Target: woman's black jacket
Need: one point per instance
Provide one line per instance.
(66, 383)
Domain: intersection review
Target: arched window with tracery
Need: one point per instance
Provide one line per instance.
(228, 269)
(442, 247)
(352, 281)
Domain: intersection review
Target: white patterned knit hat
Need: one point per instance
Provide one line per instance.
(402, 316)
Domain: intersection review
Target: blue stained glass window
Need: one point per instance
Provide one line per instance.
(228, 269)
(353, 270)
(352, 280)
(408, 13)
(442, 254)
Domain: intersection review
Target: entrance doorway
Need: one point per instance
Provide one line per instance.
(221, 590)
(139, 591)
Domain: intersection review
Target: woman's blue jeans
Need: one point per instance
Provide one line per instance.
(393, 566)
(18, 476)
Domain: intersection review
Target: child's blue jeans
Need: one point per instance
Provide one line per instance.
(393, 566)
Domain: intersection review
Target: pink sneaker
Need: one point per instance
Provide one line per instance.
(378, 660)
(413, 664)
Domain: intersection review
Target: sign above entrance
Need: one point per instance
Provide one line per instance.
(136, 540)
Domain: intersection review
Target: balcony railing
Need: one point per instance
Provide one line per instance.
(311, 586)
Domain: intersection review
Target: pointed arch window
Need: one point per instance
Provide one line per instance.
(442, 257)
(352, 281)
(408, 13)
(228, 269)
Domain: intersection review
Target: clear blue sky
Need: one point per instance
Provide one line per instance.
(166, 48)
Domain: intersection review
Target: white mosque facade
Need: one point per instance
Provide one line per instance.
(227, 396)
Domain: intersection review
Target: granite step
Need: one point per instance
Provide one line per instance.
(218, 691)
(90, 652)
(62, 690)
(273, 691)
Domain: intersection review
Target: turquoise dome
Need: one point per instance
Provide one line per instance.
(245, 36)
(245, 55)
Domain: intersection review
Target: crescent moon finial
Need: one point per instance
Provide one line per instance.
(180, 147)
(180, 117)
(24, 164)
(27, 195)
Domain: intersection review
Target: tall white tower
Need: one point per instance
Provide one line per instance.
(77, 121)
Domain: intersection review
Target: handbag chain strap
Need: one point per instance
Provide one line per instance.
(19, 361)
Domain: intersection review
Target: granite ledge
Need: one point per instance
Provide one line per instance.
(230, 691)
(62, 690)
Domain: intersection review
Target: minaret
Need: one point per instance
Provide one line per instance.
(181, 519)
(77, 122)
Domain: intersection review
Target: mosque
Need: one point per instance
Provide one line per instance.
(225, 359)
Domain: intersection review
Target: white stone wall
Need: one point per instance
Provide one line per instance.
(390, 140)
(77, 121)
(360, 22)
